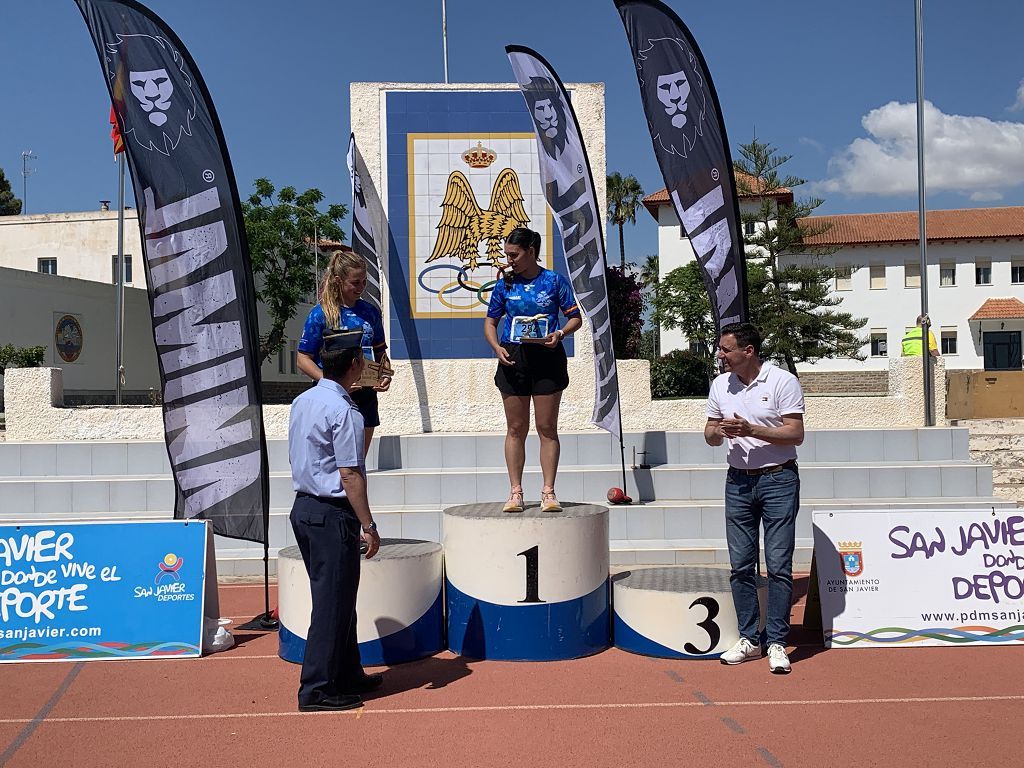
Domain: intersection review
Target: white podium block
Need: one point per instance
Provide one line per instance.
(677, 612)
(531, 586)
(399, 610)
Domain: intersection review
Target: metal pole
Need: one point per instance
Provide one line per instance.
(119, 282)
(119, 311)
(25, 173)
(444, 37)
(316, 256)
(926, 358)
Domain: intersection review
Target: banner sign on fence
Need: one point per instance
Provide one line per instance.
(84, 591)
(920, 577)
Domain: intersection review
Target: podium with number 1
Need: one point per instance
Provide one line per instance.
(529, 586)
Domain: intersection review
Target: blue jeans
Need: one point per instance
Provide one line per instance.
(750, 500)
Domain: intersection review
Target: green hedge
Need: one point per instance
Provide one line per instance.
(20, 357)
(680, 374)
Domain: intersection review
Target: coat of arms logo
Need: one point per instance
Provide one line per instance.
(852, 556)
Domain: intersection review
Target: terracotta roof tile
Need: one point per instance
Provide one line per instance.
(655, 200)
(1000, 309)
(902, 227)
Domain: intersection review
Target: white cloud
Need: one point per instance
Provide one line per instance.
(975, 156)
(807, 141)
(1018, 105)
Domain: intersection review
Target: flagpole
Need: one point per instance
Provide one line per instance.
(444, 37)
(926, 357)
(119, 282)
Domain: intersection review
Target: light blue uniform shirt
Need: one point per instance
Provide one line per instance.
(325, 432)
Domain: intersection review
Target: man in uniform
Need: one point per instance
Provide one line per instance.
(330, 517)
(759, 409)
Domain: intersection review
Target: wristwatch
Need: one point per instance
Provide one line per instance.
(561, 333)
(371, 528)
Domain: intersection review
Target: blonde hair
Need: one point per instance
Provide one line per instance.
(342, 264)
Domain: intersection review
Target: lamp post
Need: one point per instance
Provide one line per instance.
(25, 173)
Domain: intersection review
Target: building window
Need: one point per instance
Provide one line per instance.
(292, 360)
(844, 278)
(282, 358)
(1017, 271)
(877, 277)
(127, 268)
(911, 275)
(947, 275)
(748, 227)
(696, 348)
(46, 266)
(948, 341)
(983, 273)
(879, 343)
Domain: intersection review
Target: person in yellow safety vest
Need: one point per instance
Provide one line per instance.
(912, 341)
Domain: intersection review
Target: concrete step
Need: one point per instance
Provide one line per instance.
(41, 496)
(1008, 459)
(992, 426)
(486, 451)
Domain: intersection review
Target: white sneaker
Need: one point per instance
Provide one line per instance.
(744, 650)
(778, 660)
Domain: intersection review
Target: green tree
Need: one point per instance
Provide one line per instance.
(624, 198)
(682, 302)
(279, 225)
(788, 284)
(9, 204)
(20, 357)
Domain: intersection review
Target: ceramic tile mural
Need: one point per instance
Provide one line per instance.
(462, 172)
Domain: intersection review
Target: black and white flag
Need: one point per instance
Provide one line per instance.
(363, 242)
(686, 126)
(569, 189)
(197, 269)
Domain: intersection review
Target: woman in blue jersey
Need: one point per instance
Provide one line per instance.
(340, 308)
(532, 363)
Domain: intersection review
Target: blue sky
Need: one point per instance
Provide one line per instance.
(833, 84)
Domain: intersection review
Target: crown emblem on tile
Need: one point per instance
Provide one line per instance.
(479, 156)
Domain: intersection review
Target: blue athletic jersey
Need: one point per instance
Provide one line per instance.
(546, 294)
(362, 315)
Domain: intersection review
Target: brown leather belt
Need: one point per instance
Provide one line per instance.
(791, 464)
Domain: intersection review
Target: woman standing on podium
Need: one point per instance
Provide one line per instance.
(340, 309)
(532, 363)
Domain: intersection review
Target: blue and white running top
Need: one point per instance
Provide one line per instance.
(545, 294)
(362, 315)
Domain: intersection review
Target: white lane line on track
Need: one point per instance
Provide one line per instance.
(365, 711)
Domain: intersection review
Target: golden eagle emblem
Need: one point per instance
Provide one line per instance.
(464, 223)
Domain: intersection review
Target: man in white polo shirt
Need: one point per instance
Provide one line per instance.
(758, 409)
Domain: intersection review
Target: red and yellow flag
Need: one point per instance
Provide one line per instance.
(115, 133)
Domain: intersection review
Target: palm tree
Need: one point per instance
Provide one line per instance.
(624, 197)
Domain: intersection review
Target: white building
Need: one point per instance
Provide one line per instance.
(57, 277)
(975, 280)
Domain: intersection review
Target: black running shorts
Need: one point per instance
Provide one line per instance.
(538, 370)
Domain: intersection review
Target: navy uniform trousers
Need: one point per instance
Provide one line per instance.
(328, 534)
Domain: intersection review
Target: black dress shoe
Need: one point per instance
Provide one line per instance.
(365, 684)
(333, 703)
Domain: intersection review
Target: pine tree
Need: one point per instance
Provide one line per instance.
(9, 204)
(788, 284)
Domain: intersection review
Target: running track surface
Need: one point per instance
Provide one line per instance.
(893, 707)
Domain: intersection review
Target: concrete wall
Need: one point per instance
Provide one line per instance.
(81, 242)
(437, 396)
(985, 395)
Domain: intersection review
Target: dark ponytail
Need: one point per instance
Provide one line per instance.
(523, 238)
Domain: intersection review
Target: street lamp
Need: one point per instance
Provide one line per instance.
(25, 173)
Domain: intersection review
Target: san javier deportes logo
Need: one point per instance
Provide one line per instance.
(168, 583)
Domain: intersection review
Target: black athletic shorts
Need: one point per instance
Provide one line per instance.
(366, 401)
(538, 370)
